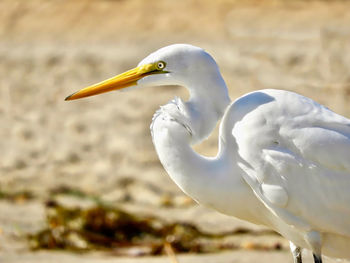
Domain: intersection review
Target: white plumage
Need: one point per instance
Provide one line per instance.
(283, 160)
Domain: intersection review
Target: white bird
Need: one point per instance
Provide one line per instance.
(283, 159)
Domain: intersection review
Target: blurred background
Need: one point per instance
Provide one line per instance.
(75, 153)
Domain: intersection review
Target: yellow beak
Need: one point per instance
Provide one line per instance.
(124, 80)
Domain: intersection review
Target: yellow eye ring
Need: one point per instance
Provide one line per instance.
(160, 65)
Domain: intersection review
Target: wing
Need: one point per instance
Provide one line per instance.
(296, 158)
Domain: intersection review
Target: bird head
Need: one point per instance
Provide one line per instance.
(171, 65)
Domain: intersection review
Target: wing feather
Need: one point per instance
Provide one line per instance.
(296, 157)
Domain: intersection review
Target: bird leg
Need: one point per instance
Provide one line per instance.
(296, 252)
(317, 259)
(314, 239)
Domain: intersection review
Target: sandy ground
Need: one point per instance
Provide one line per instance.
(49, 49)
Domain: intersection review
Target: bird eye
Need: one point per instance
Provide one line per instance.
(160, 65)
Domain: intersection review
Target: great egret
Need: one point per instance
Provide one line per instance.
(283, 160)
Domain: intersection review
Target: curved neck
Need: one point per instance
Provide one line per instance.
(215, 182)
